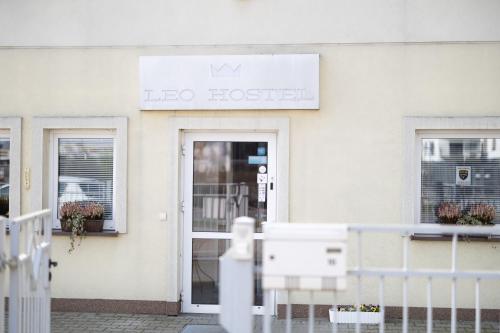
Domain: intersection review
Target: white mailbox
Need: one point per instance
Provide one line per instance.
(304, 256)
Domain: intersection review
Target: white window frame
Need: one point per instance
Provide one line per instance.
(54, 168)
(10, 127)
(418, 128)
(45, 127)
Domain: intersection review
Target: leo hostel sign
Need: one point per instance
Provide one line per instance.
(288, 81)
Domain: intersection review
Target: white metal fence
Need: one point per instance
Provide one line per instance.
(360, 272)
(27, 264)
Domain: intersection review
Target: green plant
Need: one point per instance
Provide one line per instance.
(71, 213)
(362, 308)
(469, 220)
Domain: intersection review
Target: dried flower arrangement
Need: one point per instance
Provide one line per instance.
(93, 211)
(448, 213)
(79, 217)
(483, 212)
(478, 214)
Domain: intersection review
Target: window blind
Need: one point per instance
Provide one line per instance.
(444, 162)
(86, 172)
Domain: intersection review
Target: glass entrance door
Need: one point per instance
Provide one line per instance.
(226, 175)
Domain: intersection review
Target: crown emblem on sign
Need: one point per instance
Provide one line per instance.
(225, 70)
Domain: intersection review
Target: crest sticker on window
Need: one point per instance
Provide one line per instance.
(463, 175)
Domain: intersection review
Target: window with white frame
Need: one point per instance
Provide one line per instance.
(84, 170)
(460, 172)
(452, 171)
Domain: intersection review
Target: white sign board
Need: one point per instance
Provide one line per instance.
(288, 81)
(463, 175)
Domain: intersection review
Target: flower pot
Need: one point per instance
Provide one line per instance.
(444, 220)
(350, 317)
(93, 225)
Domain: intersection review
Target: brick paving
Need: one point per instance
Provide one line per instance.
(69, 322)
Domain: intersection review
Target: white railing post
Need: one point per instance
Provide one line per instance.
(311, 312)
(288, 320)
(29, 289)
(429, 305)
(478, 309)
(406, 255)
(236, 276)
(358, 287)
(454, 284)
(14, 288)
(3, 268)
(382, 305)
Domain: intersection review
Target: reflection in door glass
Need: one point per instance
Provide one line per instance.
(225, 184)
(205, 270)
(4, 176)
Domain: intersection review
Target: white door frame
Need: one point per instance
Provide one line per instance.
(188, 235)
(174, 131)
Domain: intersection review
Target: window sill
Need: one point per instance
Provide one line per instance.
(431, 237)
(105, 233)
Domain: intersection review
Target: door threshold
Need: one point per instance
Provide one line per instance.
(203, 329)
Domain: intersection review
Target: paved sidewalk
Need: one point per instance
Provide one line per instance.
(69, 322)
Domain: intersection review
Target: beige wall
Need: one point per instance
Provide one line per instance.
(215, 22)
(345, 159)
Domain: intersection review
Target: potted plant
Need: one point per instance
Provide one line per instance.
(72, 221)
(347, 314)
(93, 214)
(448, 213)
(484, 213)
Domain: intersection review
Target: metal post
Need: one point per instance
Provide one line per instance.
(3, 272)
(311, 312)
(381, 326)
(267, 311)
(358, 291)
(236, 278)
(429, 305)
(454, 284)
(288, 314)
(14, 295)
(478, 309)
(335, 318)
(406, 250)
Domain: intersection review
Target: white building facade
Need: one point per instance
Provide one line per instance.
(178, 116)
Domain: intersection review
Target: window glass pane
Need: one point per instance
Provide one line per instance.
(4, 176)
(225, 184)
(461, 171)
(205, 270)
(86, 172)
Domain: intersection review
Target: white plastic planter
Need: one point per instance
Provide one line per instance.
(345, 317)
